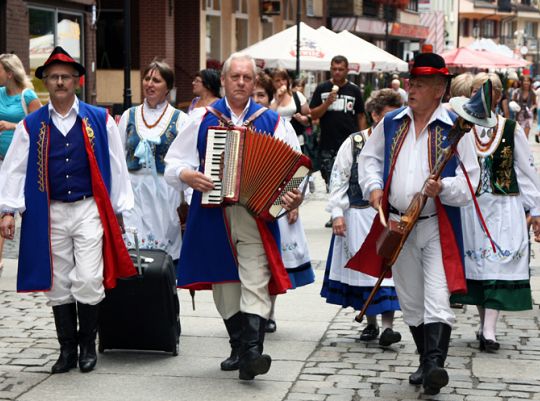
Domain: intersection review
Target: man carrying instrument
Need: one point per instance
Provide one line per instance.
(396, 164)
(225, 248)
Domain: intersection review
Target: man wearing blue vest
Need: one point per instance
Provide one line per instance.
(66, 175)
(395, 164)
(225, 248)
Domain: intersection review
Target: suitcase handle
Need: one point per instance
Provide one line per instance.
(134, 231)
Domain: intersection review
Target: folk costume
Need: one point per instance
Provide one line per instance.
(154, 214)
(509, 184)
(430, 265)
(68, 178)
(244, 266)
(343, 286)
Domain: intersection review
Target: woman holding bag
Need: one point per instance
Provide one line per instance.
(17, 99)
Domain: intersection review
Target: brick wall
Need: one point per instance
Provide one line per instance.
(16, 33)
(187, 38)
(156, 27)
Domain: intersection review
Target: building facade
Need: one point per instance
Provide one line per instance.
(32, 29)
(513, 23)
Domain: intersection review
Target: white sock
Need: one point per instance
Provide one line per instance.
(481, 314)
(490, 323)
(372, 320)
(387, 320)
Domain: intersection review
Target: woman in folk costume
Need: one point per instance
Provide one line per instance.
(147, 131)
(351, 221)
(294, 248)
(509, 185)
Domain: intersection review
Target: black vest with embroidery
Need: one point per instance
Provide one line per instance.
(355, 192)
(501, 161)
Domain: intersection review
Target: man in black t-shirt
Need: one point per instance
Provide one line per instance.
(338, 105)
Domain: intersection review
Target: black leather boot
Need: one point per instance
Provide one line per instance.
(436, 341)
(252, 361)
(65, 320)
(234, 328)
(418, 337)
(88, 322)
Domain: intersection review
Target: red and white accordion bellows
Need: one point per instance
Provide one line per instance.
(258, 170)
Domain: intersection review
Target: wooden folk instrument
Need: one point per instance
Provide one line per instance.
(395, 233)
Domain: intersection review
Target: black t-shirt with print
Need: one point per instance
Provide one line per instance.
(341, 118)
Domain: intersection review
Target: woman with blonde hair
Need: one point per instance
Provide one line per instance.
(17, 99)
(461, 85)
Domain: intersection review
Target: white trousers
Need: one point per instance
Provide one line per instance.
(77, 253)
(251, 294)
(420, 279)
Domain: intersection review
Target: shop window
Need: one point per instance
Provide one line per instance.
(49, 28)
(213, 37)
(488, 29)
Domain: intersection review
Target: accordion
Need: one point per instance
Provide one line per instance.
(253, 169)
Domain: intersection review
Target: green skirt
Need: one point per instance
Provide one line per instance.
(497, 294)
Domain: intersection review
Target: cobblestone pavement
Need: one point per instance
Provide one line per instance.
(340, 368)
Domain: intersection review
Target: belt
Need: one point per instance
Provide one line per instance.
(82, 197)
(393, 210)
(359, 206)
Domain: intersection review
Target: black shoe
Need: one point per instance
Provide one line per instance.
(88, 322)
(418, 337)
(328, 224)
(370, 333)
(488, 346)
(65, 320)
(389, 337)
(270, 326)
(252, 360)
(234, 329)
(436, 341)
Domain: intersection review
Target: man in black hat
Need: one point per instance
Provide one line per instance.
(397, 163)
(66, 171)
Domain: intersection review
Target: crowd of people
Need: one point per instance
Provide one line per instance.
(78, 179)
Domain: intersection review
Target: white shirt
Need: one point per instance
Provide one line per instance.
(13, 170)
(412, 166)
(183, 151)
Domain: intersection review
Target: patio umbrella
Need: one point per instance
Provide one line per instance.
(464, 57)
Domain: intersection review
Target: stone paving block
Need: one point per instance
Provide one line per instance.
(481, 398)
(305, 397)
(340, 398)
(514, 394)
(320, 371)
(476, 392)
(336, 391)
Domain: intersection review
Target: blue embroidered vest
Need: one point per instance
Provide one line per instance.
(35, 259)
(206, 226)
(438, 133)
(355, 192)
(159, 150)
(69, 171)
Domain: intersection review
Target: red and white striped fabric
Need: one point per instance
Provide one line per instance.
(434, 20)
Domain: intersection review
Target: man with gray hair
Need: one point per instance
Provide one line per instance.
(396, 86)
(244, 265)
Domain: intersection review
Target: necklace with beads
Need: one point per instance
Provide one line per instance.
(150, 126)
(484, 147)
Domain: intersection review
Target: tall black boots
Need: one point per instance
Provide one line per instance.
(234, 328)
(436, 341)
(88, 323)
(65, 320)
(418, 336)
(252, 361)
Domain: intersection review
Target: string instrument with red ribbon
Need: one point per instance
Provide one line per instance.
(395, 233)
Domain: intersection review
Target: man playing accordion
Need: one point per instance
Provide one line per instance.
(244, 265)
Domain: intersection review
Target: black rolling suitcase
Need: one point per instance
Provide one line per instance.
(142, 312)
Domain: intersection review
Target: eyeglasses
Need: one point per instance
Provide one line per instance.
(197, 81)
(58, 77)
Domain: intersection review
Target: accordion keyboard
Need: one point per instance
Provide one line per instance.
(214, 148)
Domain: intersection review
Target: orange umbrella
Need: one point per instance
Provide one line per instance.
(465, 57)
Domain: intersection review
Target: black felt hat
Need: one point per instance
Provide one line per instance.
(59, 56)
(426, 64)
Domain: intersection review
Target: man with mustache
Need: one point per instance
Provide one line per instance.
(66, 173)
